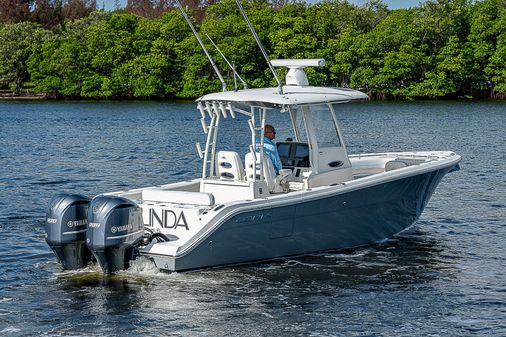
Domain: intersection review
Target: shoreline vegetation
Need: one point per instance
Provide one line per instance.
(444, 49)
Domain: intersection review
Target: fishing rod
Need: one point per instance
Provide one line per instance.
(280, 84)
(223, 84)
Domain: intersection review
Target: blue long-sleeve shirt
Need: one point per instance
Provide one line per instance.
(271, 151)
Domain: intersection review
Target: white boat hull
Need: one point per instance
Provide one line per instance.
(355, 213)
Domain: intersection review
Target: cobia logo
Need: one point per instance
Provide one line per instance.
(254, 218)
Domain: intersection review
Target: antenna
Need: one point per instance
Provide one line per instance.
(280, 85)
(223, 84)
(230, 65)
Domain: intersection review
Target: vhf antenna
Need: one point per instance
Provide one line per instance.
(280, 85)
(244, 84)
(223, 84)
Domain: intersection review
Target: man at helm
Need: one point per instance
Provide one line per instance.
(270, 148)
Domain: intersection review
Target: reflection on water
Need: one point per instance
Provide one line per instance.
(444, 276)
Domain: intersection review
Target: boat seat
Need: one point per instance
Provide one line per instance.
(275, 183)
(178, 197)
(229, 166)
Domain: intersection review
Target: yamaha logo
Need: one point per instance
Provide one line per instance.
(121, 228)
(77, 223)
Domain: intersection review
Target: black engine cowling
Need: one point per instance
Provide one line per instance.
(115, 228)
(66, 225)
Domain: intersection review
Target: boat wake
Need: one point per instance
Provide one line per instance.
(144, 266)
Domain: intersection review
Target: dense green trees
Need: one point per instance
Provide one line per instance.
(443, 48)
(17, 41)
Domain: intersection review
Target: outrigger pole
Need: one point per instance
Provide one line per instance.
(245, 86)
(280, 84)
(223, 84)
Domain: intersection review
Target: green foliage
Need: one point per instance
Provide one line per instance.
(116, 55)
(441, 49)
(494, 13)
(17, 41)
(225, 25)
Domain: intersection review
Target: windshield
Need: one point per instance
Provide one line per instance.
(298, 123)
(326, 132)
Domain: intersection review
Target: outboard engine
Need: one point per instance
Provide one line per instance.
(115, 231)
(66, 225)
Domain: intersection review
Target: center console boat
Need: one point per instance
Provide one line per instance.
(240, 210)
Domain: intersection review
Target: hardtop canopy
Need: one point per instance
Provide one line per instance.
(292, 95)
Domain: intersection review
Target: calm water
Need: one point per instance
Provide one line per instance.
(446, 276)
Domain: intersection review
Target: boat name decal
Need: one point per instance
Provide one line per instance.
(168, 219)
(77, 223)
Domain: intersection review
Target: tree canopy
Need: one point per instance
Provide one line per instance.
(440, 49)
